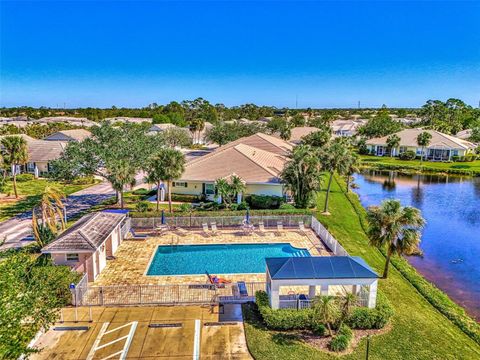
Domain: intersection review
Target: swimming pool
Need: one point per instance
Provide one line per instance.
(218, 259)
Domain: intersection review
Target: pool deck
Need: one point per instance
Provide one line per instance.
(132, 258)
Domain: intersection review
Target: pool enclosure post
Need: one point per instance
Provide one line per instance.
(372, 295)
(311, 291)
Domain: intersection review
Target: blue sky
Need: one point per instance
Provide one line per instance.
(328, 54)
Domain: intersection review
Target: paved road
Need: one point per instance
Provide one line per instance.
(18, 229)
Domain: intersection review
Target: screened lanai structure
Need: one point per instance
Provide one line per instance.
(321, 274)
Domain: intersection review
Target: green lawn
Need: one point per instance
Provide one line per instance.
(419, 331)
(454, 167)
(31, 190)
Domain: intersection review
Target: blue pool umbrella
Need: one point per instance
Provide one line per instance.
(163, 217)
(247, 217)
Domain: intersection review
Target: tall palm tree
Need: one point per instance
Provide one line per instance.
(352, 167)
(396, 227)
(326, 310)
(120, 174)
(15, 152)
(423, 140)
(393, 141)
(170, 165)
(334, 158)
(302, 174)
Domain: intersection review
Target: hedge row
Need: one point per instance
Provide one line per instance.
(223, 213)
(422, 168)
(291, 319)
(429, 291)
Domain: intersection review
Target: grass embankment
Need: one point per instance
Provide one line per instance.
(393, 163)
(29, 192)
(419, 331)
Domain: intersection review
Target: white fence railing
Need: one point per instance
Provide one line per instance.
(221, 221)
(327, 238)
(165, 294)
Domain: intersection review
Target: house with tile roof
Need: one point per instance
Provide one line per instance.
(257, 160)
(40, 155)
(90, 242)
(442, 147)
(69, 135)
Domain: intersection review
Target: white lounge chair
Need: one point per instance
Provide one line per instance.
(301, 227)
(279, 226)
(206, 231)
(261, 227)
(213, 225)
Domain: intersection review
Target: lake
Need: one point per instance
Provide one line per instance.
(451, 238)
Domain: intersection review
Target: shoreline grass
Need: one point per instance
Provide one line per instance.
(416, 166)
(419, 330)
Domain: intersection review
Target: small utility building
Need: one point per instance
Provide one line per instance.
(322, 271)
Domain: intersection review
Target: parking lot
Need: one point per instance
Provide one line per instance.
(166, 332)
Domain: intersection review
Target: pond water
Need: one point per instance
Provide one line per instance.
(451, 238)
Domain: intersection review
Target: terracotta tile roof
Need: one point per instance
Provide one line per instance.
(42, 150)
(69, 135)
(408, 137)
(251, 164)
(299, 132)
(87, 234)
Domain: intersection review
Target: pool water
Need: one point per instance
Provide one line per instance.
(218, 259)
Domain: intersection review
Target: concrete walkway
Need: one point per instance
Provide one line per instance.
(18, 229)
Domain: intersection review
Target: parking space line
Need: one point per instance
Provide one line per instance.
(129, 340)
(118, 328)
(196, 340)
(113, 355)
(97, 340)
(112, 342)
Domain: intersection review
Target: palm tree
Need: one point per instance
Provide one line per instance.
(15, 152)
(326, 310)
(51, 209)
(396, 227)
(423, 140)
(302, 174)
(224, 189)
(348, 301)
(119, 174)
(334, 158)
(351, 167)
(170, 165)
(237, 185)
(393, 141)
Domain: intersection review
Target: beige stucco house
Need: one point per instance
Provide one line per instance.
(87, 245)
(442, 147)
(40, 154)
(257, 160)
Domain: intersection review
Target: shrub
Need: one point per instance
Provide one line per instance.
(339, 343)
(185, 207)
(264, 201)
(283, 319)
(408, 155)
(377, 318)
(141, 191)
(318, 329)
(84, 180)
(345, 330)
(470, 157)
(286, 206)
(25, 177)
(242, 206)
(142, 206)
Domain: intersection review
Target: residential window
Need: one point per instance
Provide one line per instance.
(454, 152)
(402, 149)
(209, 189)
(179, 184)
(30, 167)
(73, 257)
